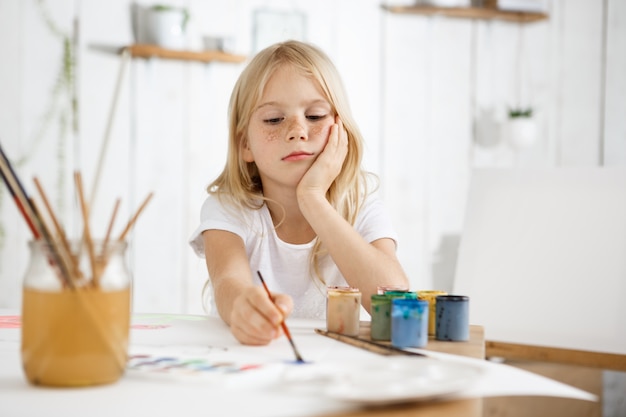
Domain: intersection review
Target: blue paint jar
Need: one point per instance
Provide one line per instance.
(452, 322)
(409, 322)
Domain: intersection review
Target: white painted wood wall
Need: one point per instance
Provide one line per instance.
(424, 90)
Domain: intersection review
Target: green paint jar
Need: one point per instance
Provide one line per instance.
(380, 327)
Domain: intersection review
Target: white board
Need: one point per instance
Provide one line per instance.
(543, 257)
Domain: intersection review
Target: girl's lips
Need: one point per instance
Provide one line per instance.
(297, 156)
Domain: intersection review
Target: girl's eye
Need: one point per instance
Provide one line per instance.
(273, 120)
(316, 117)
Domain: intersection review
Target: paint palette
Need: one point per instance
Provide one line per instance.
(403, 379)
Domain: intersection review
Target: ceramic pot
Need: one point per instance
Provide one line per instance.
(167, 27)
(521, 132)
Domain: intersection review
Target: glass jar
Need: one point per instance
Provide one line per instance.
(343, 310)
(452, 318)
(409, 322)
(75, 331)
(431, 297)
(380, 325)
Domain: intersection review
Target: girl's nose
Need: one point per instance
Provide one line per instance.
(296, 130)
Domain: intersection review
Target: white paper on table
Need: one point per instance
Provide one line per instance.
(496, 379)
(501, 379)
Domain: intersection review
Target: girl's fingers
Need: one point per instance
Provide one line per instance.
(336, 149)
(284, 303)
(256, 319)
(327, 166)
(341, 142)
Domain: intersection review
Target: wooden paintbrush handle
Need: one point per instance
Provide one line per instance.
(369, 345)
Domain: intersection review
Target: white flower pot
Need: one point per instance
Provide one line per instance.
(166, 28)
(521, 132)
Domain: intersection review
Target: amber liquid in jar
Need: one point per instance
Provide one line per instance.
(75, 335)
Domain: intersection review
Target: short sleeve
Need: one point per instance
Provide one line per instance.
(214, 216)
(374, 222)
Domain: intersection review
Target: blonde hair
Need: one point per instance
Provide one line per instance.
(239, 184)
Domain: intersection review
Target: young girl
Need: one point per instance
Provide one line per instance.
(292, 201)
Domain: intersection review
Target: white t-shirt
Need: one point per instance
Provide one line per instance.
(286, 267)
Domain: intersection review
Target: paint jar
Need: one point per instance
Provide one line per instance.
(380, 326)
(452, 318)
(343, 310)
(382, 289)
(409, 322)
(75, 331)
(431, 297)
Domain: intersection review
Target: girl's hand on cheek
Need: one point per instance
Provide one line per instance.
(255, 319)
(328, 164)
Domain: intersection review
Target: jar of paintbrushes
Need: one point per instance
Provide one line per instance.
(76, 302)
(75, 333)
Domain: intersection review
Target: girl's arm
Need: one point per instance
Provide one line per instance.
(254, 319)
(364, 265)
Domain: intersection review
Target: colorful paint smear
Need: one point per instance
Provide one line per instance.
(149, 326)
(10, 322)
(188, 366)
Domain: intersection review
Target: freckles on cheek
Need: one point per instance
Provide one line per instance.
(323, 131)
(270, 135)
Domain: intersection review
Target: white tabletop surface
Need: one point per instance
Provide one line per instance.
(275, 387)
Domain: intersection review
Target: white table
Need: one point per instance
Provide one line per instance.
(261, 392)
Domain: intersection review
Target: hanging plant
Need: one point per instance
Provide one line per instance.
(521, 128)
(515, 113)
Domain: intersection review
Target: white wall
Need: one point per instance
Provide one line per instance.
(427, 92)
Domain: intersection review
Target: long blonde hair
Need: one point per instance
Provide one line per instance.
(239, 184)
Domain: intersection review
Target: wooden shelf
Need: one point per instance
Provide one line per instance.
(478, 13)
(154, 51)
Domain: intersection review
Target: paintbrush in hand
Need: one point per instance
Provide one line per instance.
(283, 324)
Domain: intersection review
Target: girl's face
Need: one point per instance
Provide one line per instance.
(288, 129)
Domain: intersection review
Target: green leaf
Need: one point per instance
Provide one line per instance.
(517, 113)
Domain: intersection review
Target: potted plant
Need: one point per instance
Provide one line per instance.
(167, 25)
(521, 128)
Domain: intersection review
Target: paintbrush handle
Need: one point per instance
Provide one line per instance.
(283, 324)
(32, 216)
(19, 194)
(132, 221)
(369, 345)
